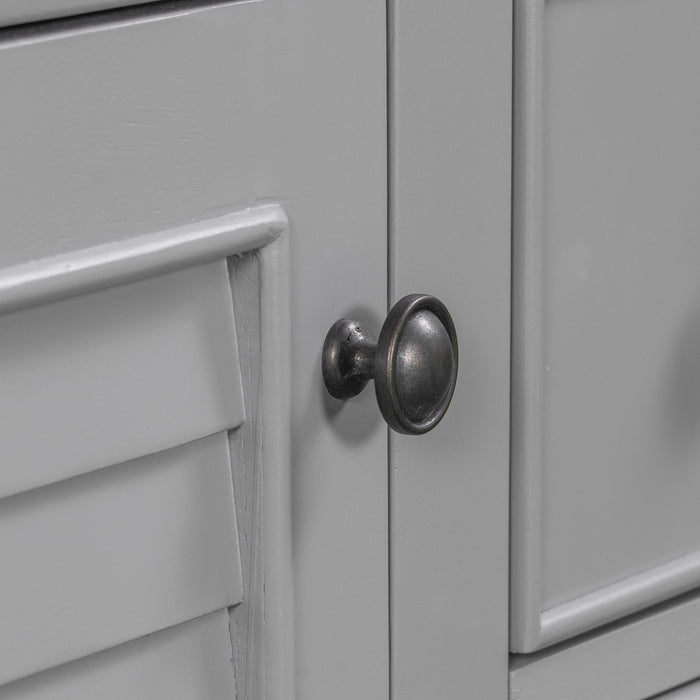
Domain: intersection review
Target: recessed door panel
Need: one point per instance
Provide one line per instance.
(607, 312)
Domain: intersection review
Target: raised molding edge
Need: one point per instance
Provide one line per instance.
(638, 658)
(276, 411)
(619, 599)
(87, 270)
(533, 628)
(527, 364)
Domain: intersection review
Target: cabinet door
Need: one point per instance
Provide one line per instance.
(450, 123)
(121, 125)
(606, 313)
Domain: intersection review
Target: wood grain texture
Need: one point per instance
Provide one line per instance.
(262, 626)
(637, 658)
(117, 374)
(110, 556)
(450, 123)
(191, 661)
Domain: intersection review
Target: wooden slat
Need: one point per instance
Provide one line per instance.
(116, 374)
(110, 556)
(191, 661)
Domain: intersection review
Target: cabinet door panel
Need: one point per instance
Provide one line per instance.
(130, 124)
(607, 312)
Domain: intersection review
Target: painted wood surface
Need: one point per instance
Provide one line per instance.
(104, 137)
(606, 316)
(113, 555)
(191, 661)
(19, 11)
(117, 374)
(450, 107)
(320, 113)
(229, 113)
(691, 691)
(262, 626)
(98, 267)
(636, 658)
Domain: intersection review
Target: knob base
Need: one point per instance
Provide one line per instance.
(348, 358)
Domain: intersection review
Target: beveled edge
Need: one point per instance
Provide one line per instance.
(99, 267)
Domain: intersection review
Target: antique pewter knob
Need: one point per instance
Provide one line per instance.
(413, 364)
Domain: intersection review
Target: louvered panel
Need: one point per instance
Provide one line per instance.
(116, 374)
(110, 556)
(191, 661)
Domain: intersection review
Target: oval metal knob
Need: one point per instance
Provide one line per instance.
(413, 364)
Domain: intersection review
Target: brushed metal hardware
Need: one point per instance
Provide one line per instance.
(413, 364)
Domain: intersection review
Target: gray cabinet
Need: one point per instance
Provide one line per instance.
(191, 194)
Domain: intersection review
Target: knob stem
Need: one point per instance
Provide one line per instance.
(348, 358)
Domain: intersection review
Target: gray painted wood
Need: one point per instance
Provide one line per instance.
(687, 692)
(116, 554)
(636, 659)
(320, 108)
(191, 661)
(605, 441)
(98, 267)
(20, 11)
(241, 103)
(104, 137)
(450, 236)
(262, 626)
(116, 374)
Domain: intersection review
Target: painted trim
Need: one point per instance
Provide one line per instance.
(276, 411)
(527, 370)
(646, 655)
(619, 599)
(533, 628)
(71, 274)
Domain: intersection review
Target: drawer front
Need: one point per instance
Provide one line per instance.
(110, 556)
(606, 415)
(116, 374)
(189, 662)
